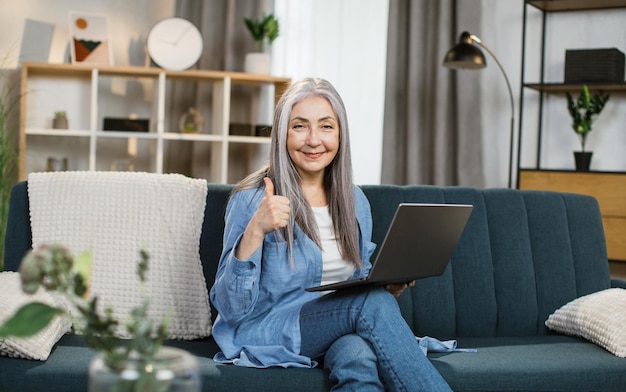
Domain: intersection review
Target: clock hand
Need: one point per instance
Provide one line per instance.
(181, 36)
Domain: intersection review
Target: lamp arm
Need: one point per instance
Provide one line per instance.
(508, 85)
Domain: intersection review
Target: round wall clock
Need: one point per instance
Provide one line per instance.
(174, 43)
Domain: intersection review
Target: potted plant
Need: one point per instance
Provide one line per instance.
(584, 111)
(138, 364)
(8, 153)
(264, 31)
(60, 120)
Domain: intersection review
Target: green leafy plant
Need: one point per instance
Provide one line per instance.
(8, 152)
(60, 114)
(584, 111)
(263, 29)
(54, 268)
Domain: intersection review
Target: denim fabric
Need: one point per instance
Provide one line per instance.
(259, 300)
(374, 316)
(352, 365)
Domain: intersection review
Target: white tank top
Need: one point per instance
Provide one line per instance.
(335, 269)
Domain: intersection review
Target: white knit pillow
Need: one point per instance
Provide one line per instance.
(599, 317)
(115, 215)
(39, 345)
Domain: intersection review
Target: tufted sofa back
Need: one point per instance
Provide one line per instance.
(522, 255)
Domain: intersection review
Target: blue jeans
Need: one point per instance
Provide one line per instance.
(366, 344)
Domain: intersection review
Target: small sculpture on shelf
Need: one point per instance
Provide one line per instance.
(191, 121)
(584, 112)
(60, 120)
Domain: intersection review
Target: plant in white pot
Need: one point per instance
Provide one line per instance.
(264, 31)
(584, 111)
(138, 364)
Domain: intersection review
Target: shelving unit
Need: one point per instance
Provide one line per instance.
(609, 188)
(549, 87)
(90, 93)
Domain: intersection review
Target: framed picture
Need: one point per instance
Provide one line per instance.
(90, 41)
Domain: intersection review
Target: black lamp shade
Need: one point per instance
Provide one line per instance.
(464, 55)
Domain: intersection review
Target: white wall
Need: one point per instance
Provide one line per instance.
(344, 42)
(129, 22)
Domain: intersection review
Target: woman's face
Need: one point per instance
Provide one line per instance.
(313, 136)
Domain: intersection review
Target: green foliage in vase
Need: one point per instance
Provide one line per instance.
(54, 268)
(584, 111)
(8, 153)
(263, 29)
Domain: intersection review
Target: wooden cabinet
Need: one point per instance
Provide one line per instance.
(89, 94)
(608, 188)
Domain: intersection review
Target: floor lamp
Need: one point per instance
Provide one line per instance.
(465, 55)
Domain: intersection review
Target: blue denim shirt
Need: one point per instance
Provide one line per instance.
(259, 300)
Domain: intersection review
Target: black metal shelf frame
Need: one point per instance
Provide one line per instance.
(546, 7)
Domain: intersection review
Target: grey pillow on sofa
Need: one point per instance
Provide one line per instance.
(599, 317)
(11, 299)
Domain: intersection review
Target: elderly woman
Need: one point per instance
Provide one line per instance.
(299, 222)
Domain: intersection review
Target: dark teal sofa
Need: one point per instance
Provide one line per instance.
(522, 255)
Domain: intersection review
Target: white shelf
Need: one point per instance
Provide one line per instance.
(58, 132)
(193, 137)
(126, 135)
(249, 139)
(90, 93)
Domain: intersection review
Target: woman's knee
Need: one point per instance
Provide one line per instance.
(352, 364)
(349, 348)
(381, 301)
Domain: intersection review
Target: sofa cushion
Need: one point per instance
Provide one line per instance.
(38, 346)
(599, 317)
(67, 370)
(116, 214)
(548, 363)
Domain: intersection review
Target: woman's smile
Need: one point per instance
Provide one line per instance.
(313, 136)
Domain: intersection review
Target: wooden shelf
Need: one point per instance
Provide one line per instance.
(35, 68)
(562, 87)
(91, 92)
(575, 5)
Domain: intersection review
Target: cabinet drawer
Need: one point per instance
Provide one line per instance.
(615, 231)
(608, 188)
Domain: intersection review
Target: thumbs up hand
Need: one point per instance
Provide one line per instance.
(273, 212)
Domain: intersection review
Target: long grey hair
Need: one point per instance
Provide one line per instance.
(337, 176)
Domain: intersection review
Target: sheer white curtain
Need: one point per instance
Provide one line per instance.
(344, 42)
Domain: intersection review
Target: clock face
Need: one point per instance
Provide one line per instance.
(175, 44)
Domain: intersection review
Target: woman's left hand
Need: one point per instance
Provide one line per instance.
(396, 289)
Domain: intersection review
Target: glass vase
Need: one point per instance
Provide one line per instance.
(191, 121)
(173, 370)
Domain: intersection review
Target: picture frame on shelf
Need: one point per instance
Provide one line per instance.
(90, 40)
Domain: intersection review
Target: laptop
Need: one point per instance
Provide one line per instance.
(419, 243)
